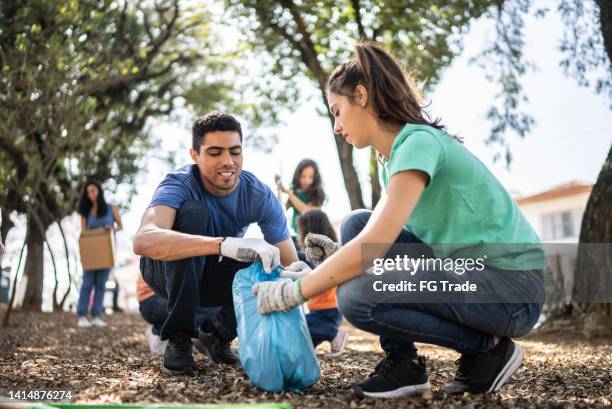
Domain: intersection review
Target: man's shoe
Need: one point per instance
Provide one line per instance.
(394, 377)
(178, 356)
(486, 371)
(84, 322)
(156, 345)
(215, 348)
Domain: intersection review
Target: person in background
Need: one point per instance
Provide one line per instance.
(306, 190)
(324, 318)
(95, 213)
(116, 290)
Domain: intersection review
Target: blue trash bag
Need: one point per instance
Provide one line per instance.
(276, 350)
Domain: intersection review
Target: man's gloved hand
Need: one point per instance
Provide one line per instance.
(248, 250)
(297, 269)
(319, 247)
(279, 295)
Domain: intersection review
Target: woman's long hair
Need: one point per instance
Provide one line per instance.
(392, 93)
(315, 193)
(85, 204)
(315, 221)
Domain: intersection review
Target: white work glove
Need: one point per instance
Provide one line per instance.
(297, 269)
(319, 247)
(281, 295)
(248, 250)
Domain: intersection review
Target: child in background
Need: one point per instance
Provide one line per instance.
(306, 191)
(324, 318)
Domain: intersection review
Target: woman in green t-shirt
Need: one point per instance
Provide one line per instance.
(484, 283)
(306, 191)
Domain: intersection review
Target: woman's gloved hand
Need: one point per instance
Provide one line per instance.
(319, 247)
(279, 295)
(297, 269)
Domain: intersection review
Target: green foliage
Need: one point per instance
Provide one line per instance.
(424, 35)
(584, 59)
(80, 80)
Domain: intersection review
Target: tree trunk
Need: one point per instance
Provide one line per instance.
(345, 154)
(34, 266)
(596, 228)
(6, 225)
(605, 19)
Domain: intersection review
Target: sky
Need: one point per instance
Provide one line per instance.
(569, 142)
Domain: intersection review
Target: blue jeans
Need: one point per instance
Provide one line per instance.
(465, 327)
(323, 324)
(190, 283)
(92, 280)
(154, 310)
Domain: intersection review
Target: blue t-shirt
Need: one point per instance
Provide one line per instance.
(231, 215)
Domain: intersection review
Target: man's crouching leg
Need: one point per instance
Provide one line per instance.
(179, 282)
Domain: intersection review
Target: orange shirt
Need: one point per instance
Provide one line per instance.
(323, 301)
(143, 291)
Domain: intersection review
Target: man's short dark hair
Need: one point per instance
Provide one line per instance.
(213, 121)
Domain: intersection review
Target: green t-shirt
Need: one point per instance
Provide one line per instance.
(304, 198)
(464, 210)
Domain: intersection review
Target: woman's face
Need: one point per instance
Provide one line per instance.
(92, 193)
(351, 119)
(307, 177)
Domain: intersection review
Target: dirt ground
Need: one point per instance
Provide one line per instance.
(563, 368)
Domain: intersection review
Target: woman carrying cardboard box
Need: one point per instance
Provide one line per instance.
(95, 213)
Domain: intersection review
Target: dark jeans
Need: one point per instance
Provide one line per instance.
(154, 310)
(323, 324)
(194, 282)
(465, 327)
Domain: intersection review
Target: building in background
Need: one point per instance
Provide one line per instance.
(556, 215)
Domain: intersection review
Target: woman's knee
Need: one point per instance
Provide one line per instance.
(353, 223)
(352, 303)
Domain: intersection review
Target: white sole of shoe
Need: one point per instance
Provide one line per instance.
(184, 371)
(509, 369)
(399, 392)
(339, 352)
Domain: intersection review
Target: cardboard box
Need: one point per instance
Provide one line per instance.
(97, 249)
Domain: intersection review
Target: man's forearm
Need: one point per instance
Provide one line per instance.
(164, 244)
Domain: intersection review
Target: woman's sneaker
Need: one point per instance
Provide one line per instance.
(84, 322)
(97, 322)
(395, 376)
(487, 371)
(338, 343)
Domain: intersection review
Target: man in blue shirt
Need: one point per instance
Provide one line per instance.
(191, 240)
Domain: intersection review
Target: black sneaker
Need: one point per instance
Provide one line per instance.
(394, 377)
(178, 356)
(215, 347)
(487, 371)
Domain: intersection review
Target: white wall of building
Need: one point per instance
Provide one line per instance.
(535, 213)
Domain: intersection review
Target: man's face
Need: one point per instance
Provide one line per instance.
(219, 161)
